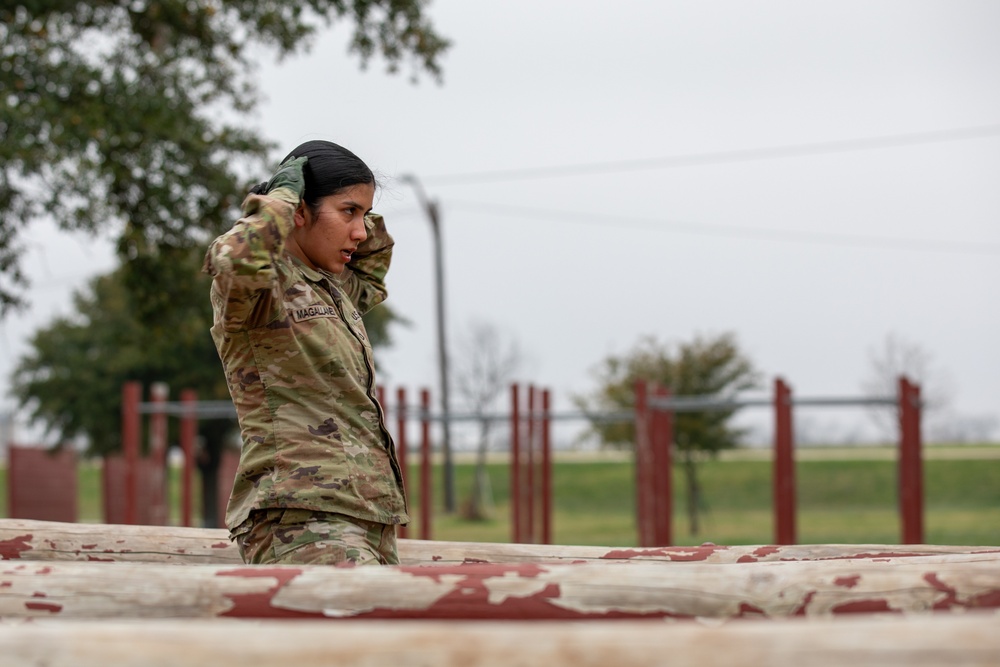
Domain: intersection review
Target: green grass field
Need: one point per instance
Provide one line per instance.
(840, 500)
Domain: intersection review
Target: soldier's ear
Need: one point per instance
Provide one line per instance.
(301, 215)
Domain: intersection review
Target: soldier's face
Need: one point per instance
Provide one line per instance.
(328, 239)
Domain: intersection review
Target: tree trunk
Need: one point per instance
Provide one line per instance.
(692, 488)
(477, 505)
(209, 458)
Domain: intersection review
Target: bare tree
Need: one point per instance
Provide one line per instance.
(484, 367)
(896, 357)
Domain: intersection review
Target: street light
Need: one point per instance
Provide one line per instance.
(431, 209)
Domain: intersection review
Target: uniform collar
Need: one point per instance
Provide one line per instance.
(314, 275)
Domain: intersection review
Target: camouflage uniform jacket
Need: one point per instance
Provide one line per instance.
(301, 373)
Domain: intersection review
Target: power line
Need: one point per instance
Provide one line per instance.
(735, 231)
(720, 157)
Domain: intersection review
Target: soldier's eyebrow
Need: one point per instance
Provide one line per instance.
(339, 206)
(355, 204)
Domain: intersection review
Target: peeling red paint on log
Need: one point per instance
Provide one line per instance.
(13, 548)
(950, 595)
(533, 591)
(437, 573)
(747, 610)
(258, 604)
(986, 600)
(680, 554)
(64, 541)
(469, 601)
(863, 607)
(803, 609)
(44, 606)
(470, 597)
(759, 553)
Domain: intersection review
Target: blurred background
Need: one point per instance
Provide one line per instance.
(813, 184)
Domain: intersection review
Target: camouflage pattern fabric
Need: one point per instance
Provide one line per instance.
(302, 537)
(301, 372)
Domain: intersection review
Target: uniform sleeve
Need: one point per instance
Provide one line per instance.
(364, 278)
(241, 261)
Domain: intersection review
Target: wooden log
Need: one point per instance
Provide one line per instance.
(497, 591)
(956, 640)
(49, 540)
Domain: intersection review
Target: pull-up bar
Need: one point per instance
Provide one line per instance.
(654, 409)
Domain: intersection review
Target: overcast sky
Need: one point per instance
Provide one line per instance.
(813, 177)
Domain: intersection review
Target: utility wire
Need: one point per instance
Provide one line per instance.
(735, 231)
(721, 157)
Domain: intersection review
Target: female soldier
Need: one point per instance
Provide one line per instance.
(318, 480)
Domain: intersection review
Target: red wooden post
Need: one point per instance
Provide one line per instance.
(156, 497)
(528, 492)
(401, 445)
(41, 484)
(425, 465)
(546, 469)
(643, 465)
(515, 466)
(784, 465)
(661, 437)
(911, 486)
(13, 507)
(131, 426)
(188, 433)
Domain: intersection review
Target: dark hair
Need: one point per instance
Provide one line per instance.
(330, 168)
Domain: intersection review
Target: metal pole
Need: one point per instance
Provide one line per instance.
(426, 503)
(433, 216)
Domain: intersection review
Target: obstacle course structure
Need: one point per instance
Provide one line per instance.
(110, 594)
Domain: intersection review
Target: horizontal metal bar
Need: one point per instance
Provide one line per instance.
(846, 401)
(225, 409)
(197, 409)
(700, 403)
(714, 403)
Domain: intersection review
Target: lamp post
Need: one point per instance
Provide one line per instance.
(433, 216)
